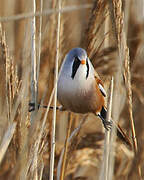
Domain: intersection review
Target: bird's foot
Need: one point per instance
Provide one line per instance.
(107, 124)
(32, 106)
(60, 108)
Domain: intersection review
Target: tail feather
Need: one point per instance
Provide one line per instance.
(120, 133)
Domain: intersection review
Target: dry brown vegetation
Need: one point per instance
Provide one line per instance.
(112, 33)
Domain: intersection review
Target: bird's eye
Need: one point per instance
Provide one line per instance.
(77, 59)
(75, 66)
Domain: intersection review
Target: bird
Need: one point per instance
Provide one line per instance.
(80, 89)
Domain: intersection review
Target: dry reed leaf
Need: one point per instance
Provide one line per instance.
(6, 140)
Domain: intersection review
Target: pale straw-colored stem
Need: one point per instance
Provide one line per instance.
(51, 176)
(34, 83)
(45, 12)
(66, 147)
(39, 43)
(104, 174)
(33, 62)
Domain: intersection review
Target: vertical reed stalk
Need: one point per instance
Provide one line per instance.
(51, 176)
(37, 143)
(33, 62)
(106, 154)
(63, 168)
(39, 43)
(34, 83)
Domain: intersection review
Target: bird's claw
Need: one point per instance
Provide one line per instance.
(107, 124)
(32, 106)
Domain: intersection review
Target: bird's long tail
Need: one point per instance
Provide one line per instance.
(107, 125)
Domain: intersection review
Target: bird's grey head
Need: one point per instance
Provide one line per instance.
(78, 56)
(77, 52)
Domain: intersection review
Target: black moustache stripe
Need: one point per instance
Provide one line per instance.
(87, 64)
(75, 67)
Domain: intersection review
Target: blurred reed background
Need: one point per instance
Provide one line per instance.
(112, 32)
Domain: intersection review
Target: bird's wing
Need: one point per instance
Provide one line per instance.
(102, 89)
(100, 84)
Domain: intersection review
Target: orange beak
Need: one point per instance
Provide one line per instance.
(83, 61)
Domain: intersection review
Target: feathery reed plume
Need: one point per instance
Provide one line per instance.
(101, 53)
(116, 15)
(96, 22)
(129, 96)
